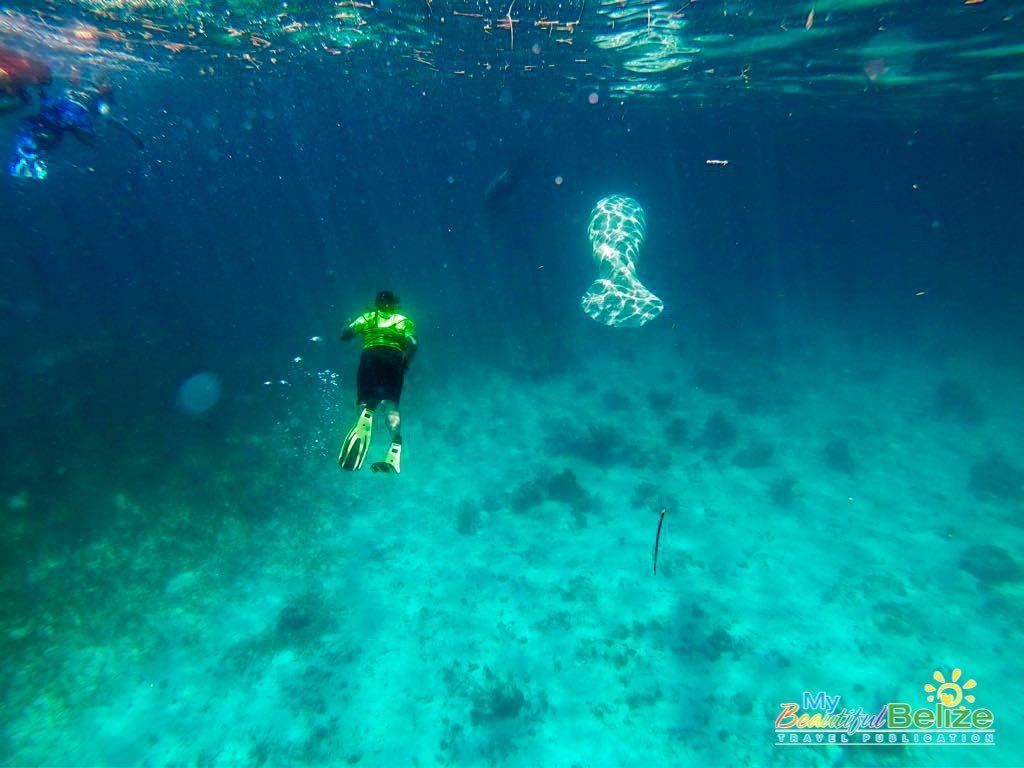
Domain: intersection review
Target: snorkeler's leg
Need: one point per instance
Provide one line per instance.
(394, 421)
(28, 162)
(393, 461)
(357, 443)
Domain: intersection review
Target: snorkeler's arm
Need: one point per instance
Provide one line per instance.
(353, 328)
(119, 124)
(410, 351)
(408, 328)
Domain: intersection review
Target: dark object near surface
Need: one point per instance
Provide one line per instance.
(504, 185)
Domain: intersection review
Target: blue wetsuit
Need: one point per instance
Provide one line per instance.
(75, 112)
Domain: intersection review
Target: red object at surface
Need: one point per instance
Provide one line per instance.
(19, 71)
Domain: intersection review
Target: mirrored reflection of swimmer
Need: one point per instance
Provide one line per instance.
(76, 111)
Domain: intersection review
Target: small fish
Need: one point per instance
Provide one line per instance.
(810, 20)
(316, 338)
(296, 359)
(657, 540)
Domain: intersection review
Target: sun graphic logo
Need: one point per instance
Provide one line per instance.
(949, 693)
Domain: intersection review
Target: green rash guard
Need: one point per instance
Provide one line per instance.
(384, 329)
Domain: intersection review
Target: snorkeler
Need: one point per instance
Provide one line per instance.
(389, 344)
(76, 112)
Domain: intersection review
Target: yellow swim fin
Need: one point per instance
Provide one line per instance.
(392, 463)
(353, 450)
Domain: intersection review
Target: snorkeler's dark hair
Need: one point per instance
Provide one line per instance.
(386, 300)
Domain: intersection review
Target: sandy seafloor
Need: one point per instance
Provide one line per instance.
(487, 607)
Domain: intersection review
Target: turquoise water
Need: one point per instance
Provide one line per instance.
(744, 265)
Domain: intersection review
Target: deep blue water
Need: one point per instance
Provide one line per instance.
(222, 244)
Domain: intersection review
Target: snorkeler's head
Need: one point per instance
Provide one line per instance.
(386, 301)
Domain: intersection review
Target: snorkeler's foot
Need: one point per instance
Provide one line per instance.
(28, 168)
(393, 461)
(357, 443)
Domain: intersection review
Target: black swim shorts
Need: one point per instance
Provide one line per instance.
(381, 371)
